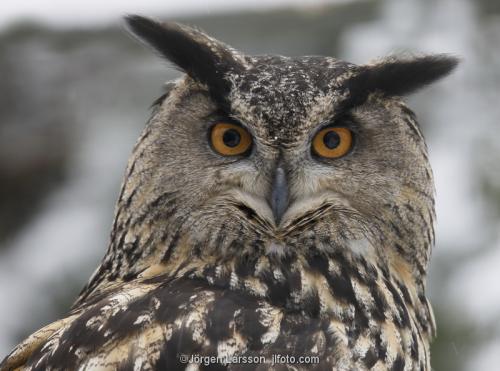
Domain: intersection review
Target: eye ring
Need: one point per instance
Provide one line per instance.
(332, 142)
(229, 139)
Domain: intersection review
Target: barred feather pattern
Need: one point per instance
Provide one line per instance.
(349, 313)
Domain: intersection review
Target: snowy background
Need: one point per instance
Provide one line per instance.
(74, 95)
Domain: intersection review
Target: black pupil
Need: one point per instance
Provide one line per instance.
(231, 138)
(331, 140)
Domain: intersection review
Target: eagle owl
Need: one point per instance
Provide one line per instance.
(276, 213)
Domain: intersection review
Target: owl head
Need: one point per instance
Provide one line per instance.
(284, 157)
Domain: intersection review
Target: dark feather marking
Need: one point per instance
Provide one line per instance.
(79, 336)
(381, 305)
(370, 358)
(414, 346)
(352, 268)
(380, 347)
(399, 248)
(247, 211)
(396, 229)
(251, 215)
(162, 199)
(326, 240)
(127, 365)
(308, 218)
(172, 245)
(237, 245)
(341, 286)
(295, 281)
(130, 198)
(406, 293)
(129, 173)
(161, 206)
(217, 279)
(312, 303)
(220, 317)
(245, 265)
(248, 324)
(318, 262)
(221, 236)
(411, 208)
(403, 320)
(279, 291)
(420, 267)
(197, 249)
(371, 274)
(399, 364)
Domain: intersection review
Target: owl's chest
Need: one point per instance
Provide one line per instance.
(156, 324)
(328, 332)
(345, 321)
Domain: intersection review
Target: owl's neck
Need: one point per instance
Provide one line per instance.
(312, 278)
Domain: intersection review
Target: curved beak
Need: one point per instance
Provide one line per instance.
(279, 194)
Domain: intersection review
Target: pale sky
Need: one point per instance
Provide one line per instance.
(63, 13)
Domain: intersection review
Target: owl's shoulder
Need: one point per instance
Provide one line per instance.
(152, 321)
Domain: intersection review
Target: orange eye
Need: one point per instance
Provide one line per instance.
(332, 142)
(230, 139)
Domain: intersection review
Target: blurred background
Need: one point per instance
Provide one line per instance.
(74, 95)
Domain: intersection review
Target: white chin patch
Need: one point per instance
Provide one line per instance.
(305, 204)
(258, 204)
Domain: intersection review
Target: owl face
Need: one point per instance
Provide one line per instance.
(282, 130)
(265, 154)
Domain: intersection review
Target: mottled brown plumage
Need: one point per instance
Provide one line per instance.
(277, 251)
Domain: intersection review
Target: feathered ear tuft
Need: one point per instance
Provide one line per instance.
(203, 58)
(401, 76)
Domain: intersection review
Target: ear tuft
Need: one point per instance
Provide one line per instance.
(402, 76)
(203, 58)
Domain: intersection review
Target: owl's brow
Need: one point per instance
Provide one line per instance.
(354, 96)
